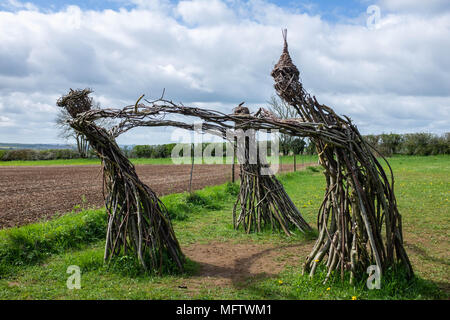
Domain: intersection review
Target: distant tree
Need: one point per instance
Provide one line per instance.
(418, 143)
(160, 151)
(298, 145)
(283, 111)
(67, 133)
(410, 143)
(143, 151)
(127, 151)
(310, 147)
(169, 147)
(390, 143)
(373, 139)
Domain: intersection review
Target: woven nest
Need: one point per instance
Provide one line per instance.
(241, 110)
(76, 101)
(285, 73)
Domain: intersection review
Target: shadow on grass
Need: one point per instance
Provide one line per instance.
(421, 252)
(394, 286)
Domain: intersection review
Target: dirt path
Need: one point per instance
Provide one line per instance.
(29, 194)
(232, 265)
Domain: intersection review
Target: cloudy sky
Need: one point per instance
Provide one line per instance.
(384, 63)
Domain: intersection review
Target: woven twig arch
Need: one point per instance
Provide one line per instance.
(358, 220)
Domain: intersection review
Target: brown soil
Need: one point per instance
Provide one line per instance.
(30, 194)
(234, 264)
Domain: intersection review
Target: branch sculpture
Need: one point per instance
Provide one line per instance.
(262, 200)
(358, 221)
(138, 222)
(359, 202)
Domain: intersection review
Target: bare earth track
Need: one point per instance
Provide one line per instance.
(227, 264)
(30, 194)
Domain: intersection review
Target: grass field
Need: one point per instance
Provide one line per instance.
(34, 258)
(71, 162)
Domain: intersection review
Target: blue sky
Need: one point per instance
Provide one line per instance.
(331, 10)
(116, 4)
(390, 76)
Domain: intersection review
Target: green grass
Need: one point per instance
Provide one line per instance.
(299, 159)
(138, 161)
(422, 189)
(32, 243)
(291, 284)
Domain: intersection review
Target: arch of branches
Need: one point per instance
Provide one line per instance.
(358, 221)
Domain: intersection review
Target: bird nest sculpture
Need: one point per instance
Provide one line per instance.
(358, 221)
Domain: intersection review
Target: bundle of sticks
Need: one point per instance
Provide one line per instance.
(138, 221)
(359, 202)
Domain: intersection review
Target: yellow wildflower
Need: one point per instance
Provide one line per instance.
(280, 282)
(354, 298)
(328, 289)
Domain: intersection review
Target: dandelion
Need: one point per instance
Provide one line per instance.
(280, 282)
(354, 298)
(328, 289)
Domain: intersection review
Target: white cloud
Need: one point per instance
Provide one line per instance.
(416, 6)
(205, 12)
(17, 5)
(217, 54)
(376, 113)
(6, 122)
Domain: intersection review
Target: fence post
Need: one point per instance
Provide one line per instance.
(192, 167)
(295, 163)
(234, 160)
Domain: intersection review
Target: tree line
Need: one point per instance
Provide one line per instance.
(32, 154)
(421, 144)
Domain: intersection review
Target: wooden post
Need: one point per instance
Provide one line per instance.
(295, 163)
(281, 161)
(192, 168)
(234, 160)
